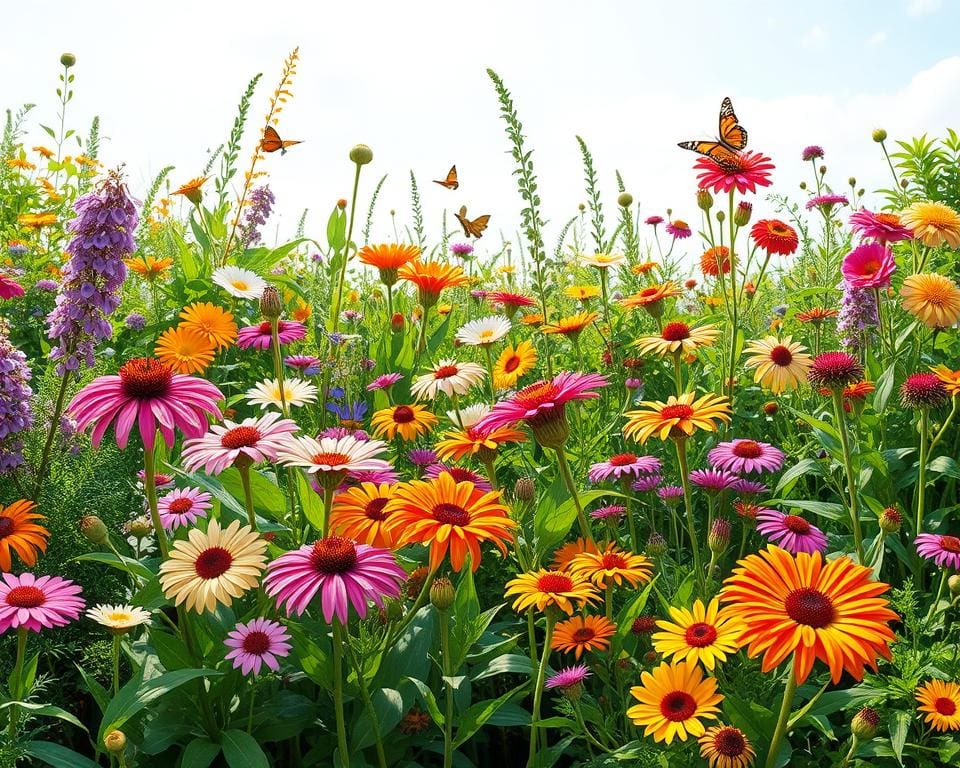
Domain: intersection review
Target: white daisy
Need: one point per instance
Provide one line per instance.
(333, 455)
(484, 331)
(240, 282)
(295, 392)
(469, 415)
(449, 377)
(602, 260)
(119, 619)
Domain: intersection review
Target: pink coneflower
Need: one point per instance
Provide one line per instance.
(623, 464)
(633, 384)
(609, 512)
(259, 336)
(570, 677)
(421, 457)
(330, 460)
(384, 381)
(747, 487)
(161, 480)
(146, 393)
(653, 220)
(508, 299)
(9, 288)
(826, 202)
(31, 602)
(461, 249)
(670, 494)
(834, 370)
(306, 364)
(679, 229)
(943, 550)
(746, 456)
(337, 432)
(343, 572)
(254, 439)
(713, 480)
(882, 227)
(380, 476)
(479, 294)
(813, 152)
(868, 266)
(923, 390)
(745, 172)
(459, 474)
(791, 532)
(256, 643)
(646, 483)
(182, 507)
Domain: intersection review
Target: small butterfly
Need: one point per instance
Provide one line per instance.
(733, 138)
(271, 141)
(472, 228)
(451, 181)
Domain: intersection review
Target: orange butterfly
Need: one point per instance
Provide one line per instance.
(271, 141)
(472, 228)
(733, 138)
(451, 181)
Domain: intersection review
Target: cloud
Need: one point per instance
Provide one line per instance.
(923, 7)
(815, 36)
(877, 38)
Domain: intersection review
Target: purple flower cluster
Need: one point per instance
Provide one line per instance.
(858, 313)
(260, 205)
(15, 394)
(102, 237)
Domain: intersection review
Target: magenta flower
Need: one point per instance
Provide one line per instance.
(459, 474)
(31, 602)
(882, 227)
(182, 507)
(813, 152)
(745, 172)
(653, 220)
(623, 465)
(646, 483)
(790, 532)
(678, 229)
(337, 432)
(9, 288)
(610, 512)
(713, 480)
(943, 550)
(343, 572)
(747, 487)
(568, 677)
(309, 365)
(384, 381)
(746, 456)
(826, 202)
(670, 493)
(259, 336)
(868, 266)
(461, 249)
(161, 480)
(256, 643)
(146, 392)
(254, 439)
(422, 457)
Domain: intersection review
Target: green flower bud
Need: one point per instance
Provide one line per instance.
(271, 305)
(115, 742)
(68, 59)
(865, 723)
(442, 593)
(954, 583)
(879, 135)
(625, 200)
(361, 154)
(94, 529)
(704, 199)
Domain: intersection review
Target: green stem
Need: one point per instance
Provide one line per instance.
(338, 642)
(848, 470)
(922, 470)
(491, 471)
(688, 507)
(538, 689)
(781, 729)
(17, 681)
(253, 698)
(572, 488)
(244, 469)
(116, 664)
(54, 428)
(327, 507)
(367, 704)
(422, 338)
(677, 373)
(447, 673)
(493, 391)
(150, 488)
(278, 362)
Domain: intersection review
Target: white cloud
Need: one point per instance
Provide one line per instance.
(923, 7)
(814, 37)
(877, 38)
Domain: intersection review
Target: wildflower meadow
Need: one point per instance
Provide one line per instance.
(637, 487)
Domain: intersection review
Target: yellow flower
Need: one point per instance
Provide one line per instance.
(724, 746)
(581, 292)
(612, 566)
(149, 267)
(950, 379)
(940, 701)
(678, 337)
(192, 190)
(408, 421)
(543, 589)
(45, 153)
(513, 363)
(934, 224)
(781, 365)
(704, 634)
(931, 298)
(21, 163)
(571, 326)
(672, 700)
(601, 260)
(185, 350)
(677, 417)
(37, 220)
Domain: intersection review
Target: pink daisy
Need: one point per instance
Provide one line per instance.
(460, 474)
(826, 202)
(610, 512)
(384, 381)
(678, 229)
(746, 456)
(745, 172)
(943, 550)
(868, 266)
(309, 365)
(670, 493)
(882, 227)
(31, 602)
(259, 335)
(343, 572)
(508, 299)
(182, 507)
(646, 483)
(161, 480)
(253, 440)
(653, 220)
(747, 487)
(623, 464)
(569, 677)
(256, 643)
(790, 532)
(146, 392)
(713, 480)
(9, 288)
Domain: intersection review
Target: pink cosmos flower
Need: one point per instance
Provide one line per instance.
(9, 288)
(146, 392)
(747, 487)
(882, 227)
(254, 439)
(259, 336)
(746, 456)
(344, 572)
(943, 550)
(182, 507)
(868, 266)
(678, 229)
(568, 677)
(790, 532)
(256, 643)
(623, 465)
(826, 202)
(33, 602)
(713, 480)
(746, 172)
(384, 381)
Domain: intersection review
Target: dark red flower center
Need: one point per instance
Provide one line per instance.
(780, 355)
(583, 635)
(26, 597)
(623, 459)
(403, 414)
(145, 377)
(331, 459)
(946, 707)
(512, 364)
(6, 527)
(870, 268)
(677, 411)
(213, 563)
(643, 625)
(612, 561)
(445, 372)
(180, 506)
(265, 328)
(796, 524)
(334, 554)
(810, 607)
(778, 228)
(240, 437)
(374, 509)
(747, 449)
(950, 544)
(256, 642)
(678, 706)
(729, 742)
(451, 514)
(554, 583)
(676, 332)
(700, 635)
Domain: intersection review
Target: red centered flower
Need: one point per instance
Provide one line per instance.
(775, 236)
(923, 390)
(744, 172)
(834, 370)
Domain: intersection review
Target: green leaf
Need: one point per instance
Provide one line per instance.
(476, 716)
(899, 729)
(789, 478)
(46, 710)
(510, 663)
(429, 700)
(57, 755)
(100, 694)
(311, 501)
(389, 708)
(241, 750)
(200, 753)
(266, 495)
(630, 611)
(827, 509)
(171, 651)
(884, 389)
(125, 564)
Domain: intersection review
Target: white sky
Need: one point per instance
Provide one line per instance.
(409, 79)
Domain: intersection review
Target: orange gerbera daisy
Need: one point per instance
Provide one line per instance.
(644, 267)
(583, 633)
(940, 701)
(184, 350)
(544, 589)
(571, 326)
(20, 534)
(950, 379)
(677, 417)
(448, 516)
(192, 189)
(149, 267)
(473, 442)
(532, 319)
(816, 315)
(566, 553)
(931, 298)
(212, 321)
(409, 421)
(431, 278)
(797, 604)
(359, 513)
(612, 566)
(513, 363)
(652, 294)
(388, 258)
(714, 260)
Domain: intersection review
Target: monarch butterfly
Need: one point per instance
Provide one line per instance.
(451, 181)
(733, 138)
(271, 141)
(472, 228)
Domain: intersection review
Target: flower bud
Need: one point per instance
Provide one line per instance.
(524, 489)
(644, 625)
(852, 181)
(415, 582)
(890, 520)
(865, 723)
(954, 583)
(625, 200)
(396, 322)
(704, 199)
(904, 183)
(861, 192)
(342, 203)
(741, 216)
(442, 593)
(879, 135)
(721, 216)
(823, 170)
(361, 154)
(139, 527)
(803, 185)
(649, 657)
(656, 545)
(771, 407)
(581, 207)
(115, 742)
(393, 211)
(669, 212)
(719, 537)
(94, 529)
(271, 305)
(68, 59)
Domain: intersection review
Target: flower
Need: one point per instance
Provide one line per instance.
(408, 421)
(676, 417)
(184, 350)
(644, 266)
(359, 513)
(649, 296)
(677, 228)
(257, 209)
(815, 315)
(601, 260)
(148, 393)
(119, 619)
(813, 152)
(33, 602)
(343, 572)
(459, 475)
(296, 392)
(858, 313)
(212, 321)
(781, 365)
(934, 224)
(447, 376)
(19, 533)
(950, 379)
(255, 439)
(611, 512)
(256, 643)
(940, 702)
(568, 677)
(16, 413)
(447, 515)
(474, 442)
(612, 566)
(421, 457)
(931, 298)
(943, 550)
(744, 172)
(653, 220)
(483, 331)
(923, 390)
(149, 267)
(724, 746)
(581, 292)
(706, 634)
(798, 604)
(790, 532)
(514, 362)
(191, 190)
(826, 202)
(623, 465)
(869, 265)
(388, 258)
(713, 480)
(431, 278)
(9, 288)
(260, 336)
(583, 633)
(182, 507)
(238, 282)
(510, 302)
(678, 338)
(882, 227)
(384, 381)
(646, 483)
(543, 589)
(834, 370)
(571, 326)
(746, 456)
(461, 249)
(672, 701)
(308, 365)
(332, 459)
(715, 260)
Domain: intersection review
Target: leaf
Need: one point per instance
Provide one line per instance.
(827, 509)
(899, 728)
(476, 716)
(311, 502)
(58, 756)
(510, 663)
(125, 564)
(802, 467)
(884, 389)
(266, 495)
(46, 710)
(389, 707)
(241, 750)
(200, 753)
(171, 651)
(429, 700)
(100, 694)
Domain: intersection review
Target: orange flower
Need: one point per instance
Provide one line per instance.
(532, 319)
(583, 633)
(20, 534)
(37, 220)
(651, 295)
(184, 350)
(565, 554)
(816, 315)
(432, 277)
(212, 321)
(360, 513)
(571, 326)
(714, 260)
(642, 269)
(472, 442)
(388, 258)
(301, 313)
(149, 267)
(677, 417)
(612, 566)
(192, 189)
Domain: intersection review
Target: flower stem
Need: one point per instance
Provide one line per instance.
(253, 698)
(17, 681)
(327, 507)
(150, 488)
(538, 689)
(338, 642)
(848, 470)
(54, 426)
(278, 362)
(688, 508)
(922, 470)
(244, 469)
(781, 729)
(116, 664)
(447, 673)
(572, 488)
(493, 391)
(367, 703)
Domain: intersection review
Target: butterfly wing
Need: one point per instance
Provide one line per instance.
(732, 133)
(271, 140)
(478, 225)
(451, 181)
(464, 222)
(290, 143)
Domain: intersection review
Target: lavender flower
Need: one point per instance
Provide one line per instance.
(135, 321)
(858, 313)
(45, 285)
(15, 413)
(261, 204)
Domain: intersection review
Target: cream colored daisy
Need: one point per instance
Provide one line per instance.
(119, 619)
(449, 377)
(602, 260)
(483, 331)
(295, 392)
(239, 282)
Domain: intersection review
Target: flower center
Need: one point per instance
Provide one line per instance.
(403, 414)
(180, 506)
(213, 563)
(622, 459)
(796, 524)
(781, 356)
(677, 411)
(240, 437)
(512, 364)
(810, 607)
(870, 268)
(747, 449)
(331, 459)
(265, 328)
(777, 228)
(676, 332)
(451, 514)
(890, 219)
(945, 706)
(678, 706)
(583, 635)
(240, 285)
(445, 372)
(729, 742)
(459, 474)
(612, 561)
(537, 394)
(145, 377)
(700, 635)
(651, 291)
(256, 642)
(26, 597)
(374, 509)
(6, 527)
(949, 543)
(554, 583)
(334, 554)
